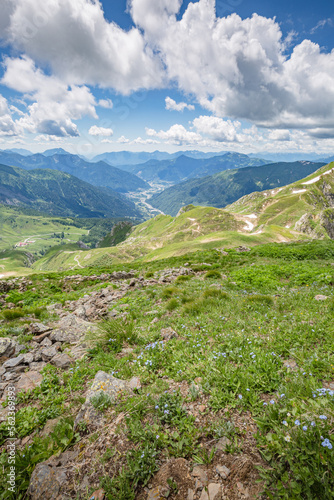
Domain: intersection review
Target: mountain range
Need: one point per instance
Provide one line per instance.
(226, 187)
(97, 174)
(59, 193)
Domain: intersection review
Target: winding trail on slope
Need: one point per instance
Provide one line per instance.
(76, 258)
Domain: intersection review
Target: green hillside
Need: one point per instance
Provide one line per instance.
(61, 194)
(226, 187)
(184, 167)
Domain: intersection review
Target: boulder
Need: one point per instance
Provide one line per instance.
(242, 249)
(46, 482)
(48, 353)
(320, 298)
(214, 492)
(11, 363)
(168, 333)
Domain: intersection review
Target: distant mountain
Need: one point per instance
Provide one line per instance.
(62, 194)
(127, 158)
(98, 174)
(288, 157)
(23, 152)
(221, 189)
(183, 167)
(55, 151)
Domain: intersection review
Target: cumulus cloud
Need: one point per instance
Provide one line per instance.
(80, 45)
(172, 105)
(7, 125)
(177, 134)
(54, 104)
(217, 129)
(96, 131)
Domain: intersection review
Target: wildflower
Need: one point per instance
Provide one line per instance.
(264, 404)
(323, 417)
(312, 424)
(297, 422)
(240, 397)
(285, 422)
(327, 443)
(282, 395)
(157, 407)
(272, 402)
(304, 427)
(157, 436)
(287, 438)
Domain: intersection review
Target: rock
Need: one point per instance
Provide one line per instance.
(46, 482)
(202, 408)
(97, 495)
(62, 360)
(28, 358)
(154, 320)
(223, 443)
(201, 474)
(321, 297)
(191, 494)
(19, 348)
(214, 492)
(46, 342)
(168, 333)
(39, 328)
(158, 493)
(41, 337)
(11, 363)
(7, 347)
(37, 366)
(244, 491)
(223, 471)
(242, 249)
(29, 381)
(103, 382)
(63, 336)
(49, 427)
(134, 383)
(48, 353)
(80, 312)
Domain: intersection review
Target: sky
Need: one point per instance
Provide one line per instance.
(142, 75)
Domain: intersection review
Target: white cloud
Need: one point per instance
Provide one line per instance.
(139, 140)
(96, 131)
(54, 104)
(7, 125)
(80, 45)
(321, 24)
(106, 103)
(177, 134)
(217, 129)
(172, 105)
(123, 140)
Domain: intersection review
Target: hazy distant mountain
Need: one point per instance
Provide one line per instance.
(60, 193)
(288, 157)
(98, 174)
(23, 152)
(226, 187)
(127, 158)
(183, 167)
(55, 151)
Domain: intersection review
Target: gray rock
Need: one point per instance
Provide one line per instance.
(63, 336)
(37, 366)
(103, 382)
(7, 347)
(201, 474)
(11, 363)
(134, 383)
(223, 471)
(242, 249)
(320, 298)
(38, 328)
(46, 342)
(214, 492)
(62, 360)
(158, 493)
(28, 358)
(48, 353)
(46, 482)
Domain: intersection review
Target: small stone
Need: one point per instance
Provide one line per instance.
(37, 366)
(62, 360)
(223, 443)
(321, 297)
(215, 491)
(244, 491)
(242, 249)
(201, 474)
(168, 333)
(154, 320)
(11, 363)
(191, 494)
(223, 471)
(7, 347)
(41, 337)
(202, 408)
(38, 328)
(28, 358)
(49, 427)
(158, 493)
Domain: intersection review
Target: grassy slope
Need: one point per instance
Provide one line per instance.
(226, 187)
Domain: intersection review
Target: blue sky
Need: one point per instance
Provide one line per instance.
(243, 75)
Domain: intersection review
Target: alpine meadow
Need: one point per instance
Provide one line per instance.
(166, 250)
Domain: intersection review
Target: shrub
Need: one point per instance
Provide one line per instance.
(213, 274)
(11, 314)
(172, 304)
(182, 278)
(168, 292)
